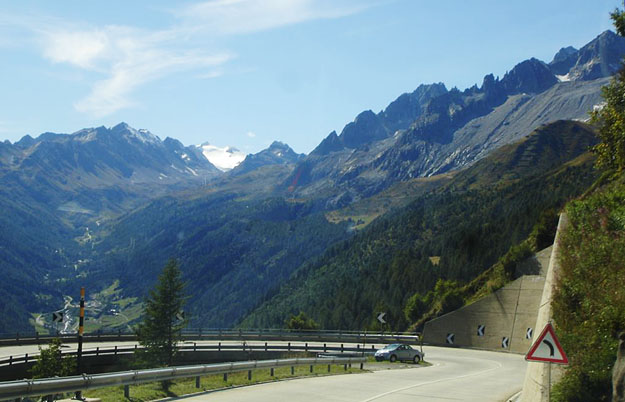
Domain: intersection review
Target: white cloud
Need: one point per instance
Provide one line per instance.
(246, 16)
(126, 58)
(79, 48)
(211, 74)
(251, 134)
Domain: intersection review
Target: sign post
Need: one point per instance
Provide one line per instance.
(57, 317)
(547, 349)
(81, 326)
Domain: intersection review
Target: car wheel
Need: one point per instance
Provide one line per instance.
(416, 359)
(393, 358)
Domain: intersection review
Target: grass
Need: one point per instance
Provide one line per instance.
(152, 391)
(422, 363)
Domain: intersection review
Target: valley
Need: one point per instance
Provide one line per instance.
(438, 186)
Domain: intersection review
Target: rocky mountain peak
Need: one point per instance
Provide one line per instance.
(278, 153)
(564, 60)
(600, 58)
(131, 133)
(330, 144)
(529, 76)
(367, 127)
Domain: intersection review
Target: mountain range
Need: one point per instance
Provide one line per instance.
(109, 206)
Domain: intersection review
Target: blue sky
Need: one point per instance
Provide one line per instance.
(247, 72)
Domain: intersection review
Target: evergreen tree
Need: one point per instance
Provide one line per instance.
(161, 330)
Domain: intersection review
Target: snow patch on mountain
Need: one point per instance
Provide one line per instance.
(224, 159)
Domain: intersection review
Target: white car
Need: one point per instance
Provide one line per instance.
(399, 351)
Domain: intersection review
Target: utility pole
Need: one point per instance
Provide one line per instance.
(81, 327)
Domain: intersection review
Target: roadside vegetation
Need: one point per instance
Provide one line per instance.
(589, 302)
(154, 391)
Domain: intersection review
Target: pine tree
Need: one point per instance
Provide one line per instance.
(161, 329)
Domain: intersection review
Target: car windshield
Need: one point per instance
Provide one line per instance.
(391, 347)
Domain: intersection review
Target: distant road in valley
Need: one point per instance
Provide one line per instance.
(456, 375)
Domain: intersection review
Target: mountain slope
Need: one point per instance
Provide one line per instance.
(468, 224)
(232, 250)
(453, 129)
(96, 172)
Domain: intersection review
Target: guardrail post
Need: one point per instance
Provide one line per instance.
(265, 346)
(249, 375)
(219, 345)
(328, 368)
(311, 368)
(306, 347)
(127, 391)
(289, 347)
(115, 349)
(345, 367)
(324, 348)
(194, 346)
(271, 374)
(197, 382)
(350, 365)
(225, 376)
(26, 358)
(292, 370)
(97, 351)
(361, 365)
(342, 348)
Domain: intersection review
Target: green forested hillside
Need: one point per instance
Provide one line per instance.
(231, 250)
(34, 249)
(463, 228)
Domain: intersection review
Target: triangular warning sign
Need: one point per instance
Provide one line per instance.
(547, 348)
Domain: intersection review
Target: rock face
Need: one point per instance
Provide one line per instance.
(564, 60)
(600, 58)
(618, 372)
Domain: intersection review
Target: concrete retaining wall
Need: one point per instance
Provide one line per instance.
(536, 386)
(497, 322)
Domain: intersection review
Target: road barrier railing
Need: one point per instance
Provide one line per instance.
(186, 347)
(47, 386)
(226, 334)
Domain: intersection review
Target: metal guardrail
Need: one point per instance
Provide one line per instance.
(227, 334)
(17, 389)
(22, 359)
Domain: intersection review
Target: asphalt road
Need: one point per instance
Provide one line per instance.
(456, 375)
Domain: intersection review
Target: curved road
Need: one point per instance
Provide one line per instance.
(456, 375)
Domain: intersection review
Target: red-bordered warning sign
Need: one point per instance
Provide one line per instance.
(547, 348)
